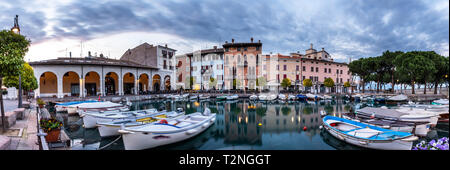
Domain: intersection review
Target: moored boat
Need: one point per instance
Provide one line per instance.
(262, 97)
(367, 136)
(167, 131)
(440, 102)
(233, 97)
(301, 97)
(95, 106)
(61, 107)
(110, 128)
(282, 97)
(253, 97)
(223, 97)
(90, 119)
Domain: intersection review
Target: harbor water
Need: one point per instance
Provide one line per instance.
(242, 125)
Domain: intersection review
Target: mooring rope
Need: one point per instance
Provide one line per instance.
(110, 143)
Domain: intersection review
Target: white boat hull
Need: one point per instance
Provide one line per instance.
(388, 145)
(143, 140)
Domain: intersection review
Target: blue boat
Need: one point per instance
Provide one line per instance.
(301, 97)
(367, 136)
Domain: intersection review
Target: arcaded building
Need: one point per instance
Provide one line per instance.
(141, 69)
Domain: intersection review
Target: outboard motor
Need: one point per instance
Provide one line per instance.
(207, 112)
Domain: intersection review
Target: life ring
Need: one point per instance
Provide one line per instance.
(163, 121)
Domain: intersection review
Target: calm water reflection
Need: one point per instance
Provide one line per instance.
(240, 124)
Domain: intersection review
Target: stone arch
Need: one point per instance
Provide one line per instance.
(167, 83)
(71, 83)
(143, 82)
(48, 84)
(156, 84)
(91, 83)
(111, 83)
(128, 83)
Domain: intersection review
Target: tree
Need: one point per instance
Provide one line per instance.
(389, 58)
(285, 83)
(212, 82)
(328, 82)
(261, 81)
(347, 85)
(29, 82)
(414, 66)
(357, 67)
(12, 49)
(307, 83)
(441, 64)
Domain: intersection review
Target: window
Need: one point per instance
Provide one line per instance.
(239, 49)
(341, 80)
(341, 71)
(303, 78)
(329, 70)
(337, 71)
(312, 69)
(296, 77)
(348, 80)
(245, 48)
(278, 67)
(297, 68)
(284, 76)
(180, 78)
(284, 67)
(317, 69)
(257, 48)
(304, 68)
(278, 78)
(325, 70)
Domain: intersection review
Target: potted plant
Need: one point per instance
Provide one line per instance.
(52, 127)
(40, 102)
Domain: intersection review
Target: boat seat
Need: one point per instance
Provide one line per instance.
(364, 132)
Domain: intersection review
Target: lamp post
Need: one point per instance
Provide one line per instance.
(16, 29)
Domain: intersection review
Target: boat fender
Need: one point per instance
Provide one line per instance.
(304, 128)
(386, 127)
(191, 131)
(205, 125)
(125, 131)
(163, 121)
(320, 127)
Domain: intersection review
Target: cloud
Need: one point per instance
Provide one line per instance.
(344, 28)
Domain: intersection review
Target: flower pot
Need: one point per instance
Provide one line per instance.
(53, 135)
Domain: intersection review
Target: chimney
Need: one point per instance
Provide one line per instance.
(215, 47)
(70, 54)
(259, 41)
(89, 53)
(311, 46)
(251, 40)
(166, 45)
(323, 49)
(232, 40)
(226, 42)
(298, 52)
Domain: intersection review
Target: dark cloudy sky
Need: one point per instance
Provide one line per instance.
(345, 28)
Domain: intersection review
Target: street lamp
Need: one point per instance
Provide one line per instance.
(16, 30)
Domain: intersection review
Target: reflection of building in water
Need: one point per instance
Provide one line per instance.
(220, 119)
(292, 118)
(241, 125)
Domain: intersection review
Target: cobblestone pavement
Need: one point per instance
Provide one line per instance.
(28, 140)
